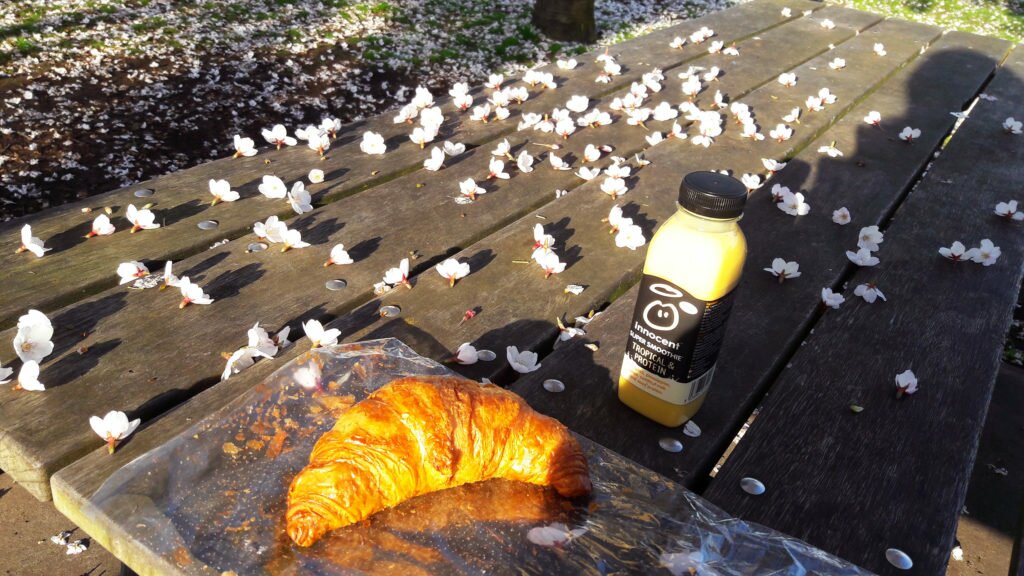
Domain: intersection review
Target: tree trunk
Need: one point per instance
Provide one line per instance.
(567, 20)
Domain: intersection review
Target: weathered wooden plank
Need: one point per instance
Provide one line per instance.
(182, 198)
(896, 474)
(768, 321)
(396, 214)
(412, 210)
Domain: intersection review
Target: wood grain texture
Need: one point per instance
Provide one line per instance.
(182, 198)
(896, 474)
(394, 219)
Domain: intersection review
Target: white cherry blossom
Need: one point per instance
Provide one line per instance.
(113, 428)
(841, 216)
(522, 362)
(131, 271)
(814, 104)
(453, 149)
(170, 280)
(781, 133)
(1012, 126)
(550, 263)
(827, 97)
(578, 104)
(831, 299)
(630, 236)
(869, 292)
(772, 166)
(318, 337)
(874, 118)
(987, 253)
(192, 293)
(782, 269)
(793, 204)
(542, 242)
(469, 189)
(909, 134)
(293, 239)
(222, 192)
(1009, 211)
(906, 383)
(273, 187)
(751, 181)
(467, 354)
(299, 198)
(837, 64)
(244, 146)
(614, 187)
(338, 256)
(33, 340)
(524, 162)
(319, 143)
(497, 169)
(398, 275)
(239, 360)
(316, 176)
(452, 270)
(557, 163)
(869, 238)
(862, 257)
(568, 64)
(436, 160)
(787, 79)
(879, 49)
(958, 252)
(28, 377)
(101, 226)
(830, 150)
(827, 24)
(141, 219)
(278, 136)
(793, 116)
(372, 143)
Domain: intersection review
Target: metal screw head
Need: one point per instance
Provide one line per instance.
(899, 559)
(256, 247)
(752, 486)
(389, 311)
(486, 355)
(336, 284)
(143, 193)
(552, 385)
(207, 224)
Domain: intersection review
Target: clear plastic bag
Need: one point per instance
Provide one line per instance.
(213, 500)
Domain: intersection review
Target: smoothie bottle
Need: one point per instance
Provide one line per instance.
(693, 265)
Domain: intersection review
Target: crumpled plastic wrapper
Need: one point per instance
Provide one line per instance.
(212, 500)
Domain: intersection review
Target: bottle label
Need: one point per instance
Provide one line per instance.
(674, 341)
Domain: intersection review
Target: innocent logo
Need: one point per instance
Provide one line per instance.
(661, 316)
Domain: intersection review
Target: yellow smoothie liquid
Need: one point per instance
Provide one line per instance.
(693, 265)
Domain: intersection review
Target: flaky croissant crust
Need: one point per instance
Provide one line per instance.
(419, 435)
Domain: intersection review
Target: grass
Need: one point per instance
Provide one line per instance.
(1003, 19)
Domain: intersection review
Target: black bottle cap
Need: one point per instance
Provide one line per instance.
(712, 195)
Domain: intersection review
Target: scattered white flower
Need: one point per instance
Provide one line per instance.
(273, 187)
(831, 150)
(542, 242)
(578, 104)
(614, 187)
(869, 292)
(792, 203)
(1009, 211)
(452, 270)
(299, 198)
(1012, 126)
(244, 146)
(793, 116)
(398, 275)
(879, 49)
(827, 97)
(550, 263)
(630, 236)
(192, 293)
(131, 271)
(32, 342)
(523, 362)
(909, 134)
(906, 383)
(278, 136)
(524, 162)
(469, 189)
(751, 181)
(837, 64)
(316, 176)
(567, 64)
(831, 299)
(141, 219)
(292, 239)
(772, 166)
(452, 149)
(318, 337)
(436, 160)
(239, 360)
(827, 24)
(28, 377)
(170, 280)
(869, 238)
(814, 104)
(787, 79)
(781, 133)
(677, 42)
(958, 252)
(76, 547)
(222, 192)
(497, 169)
(557, 163)
(786, 12)
(874, 118)
(372, 143)
(338, 256)
(862, 257)
(113, 428)
(987, 253)
(783, 270)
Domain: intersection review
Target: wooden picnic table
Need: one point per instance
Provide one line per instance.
(893, 475)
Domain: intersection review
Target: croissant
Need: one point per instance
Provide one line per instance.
(415, 436)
